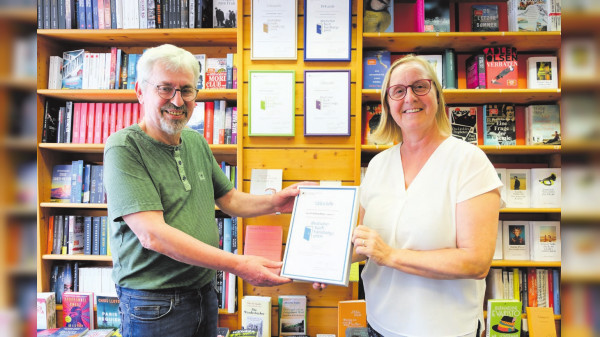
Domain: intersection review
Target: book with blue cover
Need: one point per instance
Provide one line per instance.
(375, 65)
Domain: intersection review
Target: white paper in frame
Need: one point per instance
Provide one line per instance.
(274, 34)
(271, 102)
(327, 30)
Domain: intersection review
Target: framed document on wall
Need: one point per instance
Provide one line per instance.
(274, 33)
(327, 103)
(319, 243)
(271, 102)
(327, 30)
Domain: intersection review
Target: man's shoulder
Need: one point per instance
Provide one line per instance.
(122, 137)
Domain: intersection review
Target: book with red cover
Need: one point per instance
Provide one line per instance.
(106, 121)
(91, 113)
(127, 114)
(120, 113)
(113, 118)
(83, 122)
(475, 69)
(78, 309)
(216, 73)
(135, 113)
(98, 123)
(532, 289)
(265, 241)
(76, 122)
(209, 114)
(501, 68)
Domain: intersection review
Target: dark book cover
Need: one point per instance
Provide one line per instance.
(475, 72)
(437, 15)
(499, 124)
(50, 126)
(485, 18)
(464, 123)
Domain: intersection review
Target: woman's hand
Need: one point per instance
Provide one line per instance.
(367, 242)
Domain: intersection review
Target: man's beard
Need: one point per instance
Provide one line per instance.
(170, 126)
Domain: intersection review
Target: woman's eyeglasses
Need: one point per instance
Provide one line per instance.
(419, 88)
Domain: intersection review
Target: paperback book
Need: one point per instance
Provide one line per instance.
(515, 240)
(256, 314)
(437, 15)
(518, 192)
(61, 183)
(351, 314)
(546, 187)
(224, 13)
(375, 65)
(501, 67)
(484, 18)
(216, 73)
(292, 315)
(378, 16)
(545, 241)
(503, 318)
(542, 72)
(499, 124)
(371, 119)
(46, 310)
(72, 69)
(107, 307)
(78, 309)
(464, 123)
(543, 125)
(532, 16)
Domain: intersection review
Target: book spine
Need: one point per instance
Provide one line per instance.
(95, 235)
(98, 123)
(234, 125)
(87, 232)
(99, 14)
(91, 112)
(86, 183)
(209, 112)
(103, 235)
(107, 14)
(105, 121)
(450, 68)
(94, 11)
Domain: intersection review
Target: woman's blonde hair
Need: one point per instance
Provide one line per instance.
(388, 131)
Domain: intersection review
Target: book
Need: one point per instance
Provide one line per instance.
(484, 18)
(541, 322)
(542, 124)
(202, 64)
(357, 332)
(351, 314)
(437, 63)
(371, 119)
(464, 123)
(66, 332)
(502, 176)
(78, 309)
(545, 241)
(61, 183)
(292, 315)
(449, 75)
(100, 333)
(499, 124)
(375, 65)
(498, 251)
(222, 331)
(532, 16)
(46, 310)
(50, 125)
(216, 73)
(501, 67)
(503, 317)
(72, 69)
(515, 240)
(378, 16)
(475, 71)
(196, 121)
(437, 15)
(244, 333)
(545, 187)
(224, 13)
(265, 181)
(256, 315)
(542, 72)
(518, 191)
(107, 307)
(265, 241)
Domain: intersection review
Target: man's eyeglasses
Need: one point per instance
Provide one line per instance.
(188, 94)
(419, 88)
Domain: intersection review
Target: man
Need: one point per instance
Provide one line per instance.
(162, 183)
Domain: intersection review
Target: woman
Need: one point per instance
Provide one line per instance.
(428, 218)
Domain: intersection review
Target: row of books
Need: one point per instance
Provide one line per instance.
(78, 235)
(493, 68)
(256, 315)
(534, 287)
(447, 16)
(77, 332)
(81, 69)
(505, 319)
(216, 121)
(536, 187)
(225, 281)
(528, 240)
(136, 14)
(78, 182)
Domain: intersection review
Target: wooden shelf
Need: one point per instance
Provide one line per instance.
(581, 22)
(19, 143)
(99, 148)
(20, 83)
(463, 41)
(142, 37)
(483, 96)
(81, 257)
(489, 149)
(18, 211)
(71, 205)
(522, 263)
(580, 278)
(23, 15)
(530, 210)
(125, 95)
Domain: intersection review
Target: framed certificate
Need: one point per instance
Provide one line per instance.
(274, 33)
(327, 103)
(271, 102)
(319, 247)
(327, 30)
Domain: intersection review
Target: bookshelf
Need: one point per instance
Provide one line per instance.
(301, 157)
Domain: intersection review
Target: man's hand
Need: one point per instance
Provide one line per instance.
(255, 270)
(283, 201)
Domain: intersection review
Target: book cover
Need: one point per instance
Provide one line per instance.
(256, 314)
(351, 314)
(72, 69)
(378, 16)
(375, 65)
(265, 241)
(484, 18)
(224, 14)
(464, 123)
(107, 307)
(542, 72)
(196, 121)
(222, 331)
(475, 71)
(78, 309)
(46, 310)
(357, 332)
(202, 64)
(498, 251)
(216, 73)
(370, 120)
(545, 241)
(100, 333)
(502, 176)
(518, 191)
(546, 187)
(503, 318)
(541, 322)
(61, 183)
(292, 315)
(501, 67)
(543, 125)
(532, 16)
(437, 16)
(244, 333)
(499, 124)
(515, 240)
(437, 63)
(50, 126)
(449, 75)
(67, 332)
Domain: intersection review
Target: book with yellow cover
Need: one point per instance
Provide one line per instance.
(541, 322)
(351, 314)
